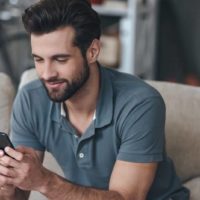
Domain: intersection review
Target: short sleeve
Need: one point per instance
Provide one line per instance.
(22, 127)
(142, 132)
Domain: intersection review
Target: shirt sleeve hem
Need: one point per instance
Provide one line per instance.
(140, 158)
(34, 146)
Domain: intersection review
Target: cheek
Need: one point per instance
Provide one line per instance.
(72, 69)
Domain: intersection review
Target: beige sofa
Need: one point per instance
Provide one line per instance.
(182, 127)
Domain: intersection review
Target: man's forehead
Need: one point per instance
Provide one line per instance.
(59, 41)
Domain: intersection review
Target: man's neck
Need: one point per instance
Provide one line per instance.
(81, 107)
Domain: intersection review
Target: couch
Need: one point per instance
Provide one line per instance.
(182, 127)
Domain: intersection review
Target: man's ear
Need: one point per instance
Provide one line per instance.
(93, 51)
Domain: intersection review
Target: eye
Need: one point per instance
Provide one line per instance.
(37, 59)
(61, 60)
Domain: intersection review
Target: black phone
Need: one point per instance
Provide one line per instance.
(5, 141)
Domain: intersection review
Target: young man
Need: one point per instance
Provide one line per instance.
(105, 128)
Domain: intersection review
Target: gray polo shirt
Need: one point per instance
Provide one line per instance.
(129, 126)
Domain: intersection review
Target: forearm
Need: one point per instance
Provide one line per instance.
(58, 188)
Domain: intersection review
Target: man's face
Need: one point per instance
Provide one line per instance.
(59, 64)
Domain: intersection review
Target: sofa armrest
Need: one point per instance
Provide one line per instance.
(7, 93)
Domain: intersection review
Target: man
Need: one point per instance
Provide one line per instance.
(105, 128)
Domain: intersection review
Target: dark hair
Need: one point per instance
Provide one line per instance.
(49, 15)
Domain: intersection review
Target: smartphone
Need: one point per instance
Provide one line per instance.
(5, 141)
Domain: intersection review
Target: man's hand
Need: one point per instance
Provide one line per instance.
(22, 168)
(5, 190)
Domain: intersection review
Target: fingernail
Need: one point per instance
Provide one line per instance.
(6, 149)
(1, 153)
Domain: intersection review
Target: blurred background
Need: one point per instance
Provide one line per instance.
(152, 39)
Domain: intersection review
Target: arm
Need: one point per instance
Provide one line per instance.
(129, 181)
(133, 180)
(10, 191)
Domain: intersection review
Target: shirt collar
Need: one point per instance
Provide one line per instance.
(62, 110)
(63, 113)
(104, 110)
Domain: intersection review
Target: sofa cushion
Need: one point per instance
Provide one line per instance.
(182, 126)
(7, 93)
(28, 76)
(194, 186)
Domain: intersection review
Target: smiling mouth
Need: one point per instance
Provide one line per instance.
(54, 84)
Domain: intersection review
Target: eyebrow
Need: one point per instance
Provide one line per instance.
(54, 56)
(61, 56)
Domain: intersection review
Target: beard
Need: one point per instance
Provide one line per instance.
(69, 87)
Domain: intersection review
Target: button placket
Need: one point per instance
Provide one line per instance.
(85, 148)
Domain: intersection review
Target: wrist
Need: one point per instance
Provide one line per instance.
(7, 192)
(45, 181)
(53, 186)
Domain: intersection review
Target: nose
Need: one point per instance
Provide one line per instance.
(49, 71)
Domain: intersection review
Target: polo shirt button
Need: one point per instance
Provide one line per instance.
(81, 155)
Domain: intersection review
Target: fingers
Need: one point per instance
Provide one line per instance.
(1, 153)
(8, 172)
(7, 161)
(14, 154)
(5, 181)
(12, 158)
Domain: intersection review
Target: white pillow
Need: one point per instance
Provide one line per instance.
(7, 93)
(28, 76)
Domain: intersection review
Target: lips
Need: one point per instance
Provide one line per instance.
(54, 84)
